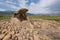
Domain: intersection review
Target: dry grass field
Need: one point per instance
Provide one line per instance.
(41, 30)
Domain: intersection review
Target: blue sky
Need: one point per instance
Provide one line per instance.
(34, 6)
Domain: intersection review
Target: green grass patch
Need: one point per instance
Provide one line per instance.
(5, 17)
(56, 18)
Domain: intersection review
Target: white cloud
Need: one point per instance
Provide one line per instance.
(2, 9)
(10, 5)
(13, 7)
(41, 7)
(10, 2)
(44, 3)
(22, 3)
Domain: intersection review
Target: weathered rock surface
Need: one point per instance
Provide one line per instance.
(41, 30)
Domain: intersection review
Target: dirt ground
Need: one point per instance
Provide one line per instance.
(41, 30)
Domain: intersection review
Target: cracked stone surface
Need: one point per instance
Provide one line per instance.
(41, 30)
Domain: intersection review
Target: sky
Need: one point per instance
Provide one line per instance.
(34, 6)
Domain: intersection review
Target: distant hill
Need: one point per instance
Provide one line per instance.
(9, 13)
(6, 12)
